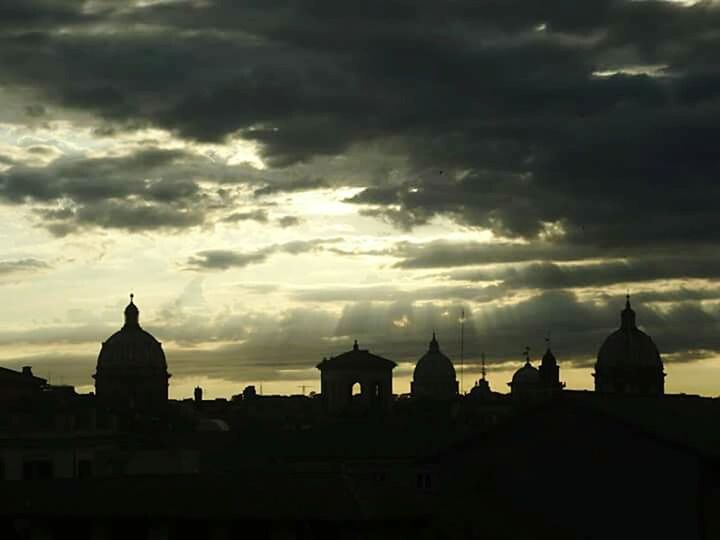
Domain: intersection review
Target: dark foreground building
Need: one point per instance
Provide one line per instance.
(580, 465)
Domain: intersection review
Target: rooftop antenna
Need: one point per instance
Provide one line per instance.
(462, 346)
(303, 387)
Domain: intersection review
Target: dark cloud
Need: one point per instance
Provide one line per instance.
(223, 259)
(553, 276)
(289, 186)
(22, 265)
(149, 189)
(507, 98)
(289, 221)
(253, 215)
(443, 254)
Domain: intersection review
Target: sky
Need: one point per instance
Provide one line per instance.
(273, 179)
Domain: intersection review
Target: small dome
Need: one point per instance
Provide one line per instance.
(628, 346)
(434, 364)
(526, 376)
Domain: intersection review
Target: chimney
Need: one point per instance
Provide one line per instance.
(27, 371)
(198, 394)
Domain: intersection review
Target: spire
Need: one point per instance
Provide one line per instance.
(627, 316)
(482, 368)
(434, 345)
(355, 346)
(132, 314)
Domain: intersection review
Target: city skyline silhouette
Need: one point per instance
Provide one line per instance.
(310, 269)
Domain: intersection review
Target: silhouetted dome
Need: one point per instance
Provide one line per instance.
(434, 364)
(526, 376)
(481, 389)
(131, 346)
(628, 346)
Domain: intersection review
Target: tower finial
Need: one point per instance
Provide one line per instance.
(482, 369)
(131, 297)
(627, 316)
(355, 346)
(527, 354)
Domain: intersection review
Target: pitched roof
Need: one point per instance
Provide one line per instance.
(356, 359)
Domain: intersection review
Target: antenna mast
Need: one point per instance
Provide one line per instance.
(462, 346)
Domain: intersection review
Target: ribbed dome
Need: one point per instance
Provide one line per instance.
(628, 346)
(434, 364)
(131, 347)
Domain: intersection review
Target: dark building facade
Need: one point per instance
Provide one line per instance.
(131, 368)
(434, 375)
(23, 384)
(628, 362)
(339, 374)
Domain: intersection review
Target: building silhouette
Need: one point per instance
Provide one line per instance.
(131, 368)
(23, 384)
(536, 463)
(549, 371)
(526, 384)
(339, 374)
(628, 361)
(434, 375)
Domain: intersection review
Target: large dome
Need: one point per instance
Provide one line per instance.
(131, 347)
(434, 364)
(628, 346)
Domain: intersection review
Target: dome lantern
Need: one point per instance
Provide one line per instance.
(132, 313)
(627, 316)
